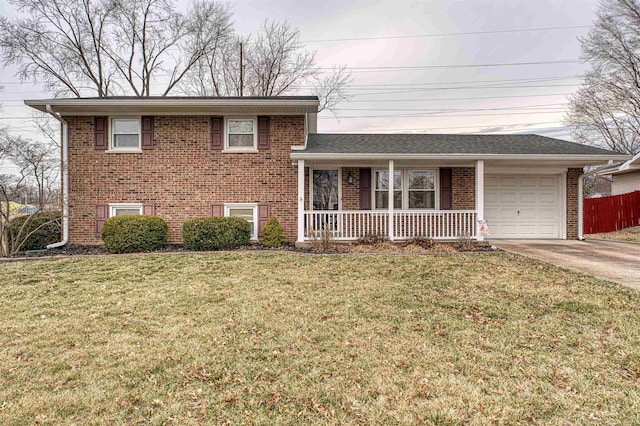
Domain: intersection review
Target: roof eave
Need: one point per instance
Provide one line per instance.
(297, 155)
(175, 106)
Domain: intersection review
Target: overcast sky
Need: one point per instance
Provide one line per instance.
(503, 81)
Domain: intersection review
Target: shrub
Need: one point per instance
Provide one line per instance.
(45, 228)
(134, 233)
(273, 234)
(422, 242)
(371, 240)
(215, 233)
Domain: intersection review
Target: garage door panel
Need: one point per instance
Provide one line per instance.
(527, 214)
(549, 231)
(508, 197)
(523, 206)
(508, 181)
(547, 182)
(548, 214)
(548, 198)
(527, 197)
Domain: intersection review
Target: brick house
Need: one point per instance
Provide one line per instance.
(186, 157)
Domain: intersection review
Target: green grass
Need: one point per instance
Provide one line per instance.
(277, 338)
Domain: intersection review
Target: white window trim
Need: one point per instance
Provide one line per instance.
(405, 187)
(114, 206)
(254, 206)
(373, 187)
(112, 137)
(253, 148)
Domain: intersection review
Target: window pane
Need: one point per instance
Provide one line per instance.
(244, 213)
(241, 126)
(243, 141)
(382, 198)
(422, 199)
(382, 180)
(325, 190)
(421, 180)
(126, 141)
(125, 126)
(124, 211)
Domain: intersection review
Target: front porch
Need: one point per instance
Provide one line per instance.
(355, 200)
(345, 225)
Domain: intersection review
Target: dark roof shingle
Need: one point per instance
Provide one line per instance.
(348, 143)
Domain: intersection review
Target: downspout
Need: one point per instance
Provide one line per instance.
(581, 199)
(65, 180)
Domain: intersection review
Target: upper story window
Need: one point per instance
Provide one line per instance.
(125, 134)
(241, 134)
(412, 189)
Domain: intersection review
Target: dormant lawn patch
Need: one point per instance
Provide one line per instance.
(287, 338)
(627, 234)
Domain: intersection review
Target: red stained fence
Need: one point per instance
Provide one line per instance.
(608, 214)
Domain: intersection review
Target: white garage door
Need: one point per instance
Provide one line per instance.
(522, 206)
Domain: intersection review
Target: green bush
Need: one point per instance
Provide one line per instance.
(273, 234)
(46, 228)
(215, 233)
(134, 233)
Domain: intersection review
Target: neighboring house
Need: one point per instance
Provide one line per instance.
(181, 158)
(625, 177)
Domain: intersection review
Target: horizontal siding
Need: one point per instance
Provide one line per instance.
(624, 183)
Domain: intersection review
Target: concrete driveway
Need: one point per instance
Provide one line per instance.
(609, 260)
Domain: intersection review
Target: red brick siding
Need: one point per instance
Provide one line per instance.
(463, 188)
(181, 176)
(351, 191)
(572, 203)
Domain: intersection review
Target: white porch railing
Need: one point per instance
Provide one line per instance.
(353, 224)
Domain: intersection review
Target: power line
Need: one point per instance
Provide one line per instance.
(433, 89)
(457, 99)
(425, 67)
(454, 109)
(523, 80)
(435, 115)
(521, 30)
(404, 129)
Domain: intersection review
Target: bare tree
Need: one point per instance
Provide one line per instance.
(110, 47)
(38, 165)
(606, 109)
(34, 177)
(275, 63)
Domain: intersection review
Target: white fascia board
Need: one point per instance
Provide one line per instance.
(536, 157)
(70, 105)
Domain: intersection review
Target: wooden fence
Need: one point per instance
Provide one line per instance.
(608, 214)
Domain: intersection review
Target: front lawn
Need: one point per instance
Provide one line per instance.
(284, 338)
(627, 234)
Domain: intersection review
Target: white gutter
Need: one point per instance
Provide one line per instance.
(581, 201)
(65, 180)
(454, 156)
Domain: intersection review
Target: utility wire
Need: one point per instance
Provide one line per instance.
(435, 115)
(517, 30)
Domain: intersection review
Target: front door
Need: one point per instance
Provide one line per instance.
(326, 190)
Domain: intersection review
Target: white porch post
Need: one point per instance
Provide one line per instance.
(390, 188)
(300, 201)
(479, 197)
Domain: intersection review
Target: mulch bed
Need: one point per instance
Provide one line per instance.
(375, 247)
